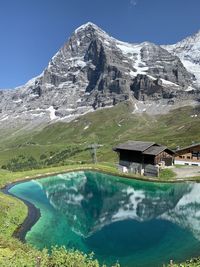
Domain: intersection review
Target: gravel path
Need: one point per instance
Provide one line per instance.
(187, 171)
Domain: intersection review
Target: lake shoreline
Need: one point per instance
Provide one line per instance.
(33, 214)
(27, 188)
(110, 172)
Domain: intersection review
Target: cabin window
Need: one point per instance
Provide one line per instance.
(188, 157)
(180, 157)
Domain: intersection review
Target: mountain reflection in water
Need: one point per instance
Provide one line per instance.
(91, 201)
(134, 222)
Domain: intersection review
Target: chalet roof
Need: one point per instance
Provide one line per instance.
(147, 148)
(134, 145)
(187, 147)
(154, 150)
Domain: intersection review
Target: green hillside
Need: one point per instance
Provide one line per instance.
(65, 143)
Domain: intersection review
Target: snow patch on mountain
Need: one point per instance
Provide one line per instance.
(52, 113)
(133, 52)
(188, 50)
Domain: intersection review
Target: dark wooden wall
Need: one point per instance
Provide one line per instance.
(131, 156)
(136, 156)
(161, 157)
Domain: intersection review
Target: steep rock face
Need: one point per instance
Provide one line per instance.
(164, 65)
(94, 70)
(144, 87)
(188, 50)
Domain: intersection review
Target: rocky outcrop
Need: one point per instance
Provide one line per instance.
(162, 64)
(188, 50)
(93, 70)
(144, 87)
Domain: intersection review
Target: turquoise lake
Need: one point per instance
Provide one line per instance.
(136, 223)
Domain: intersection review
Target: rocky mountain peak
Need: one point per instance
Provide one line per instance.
(90, 27)
(189, 42)
(188, 50)
(94, 70)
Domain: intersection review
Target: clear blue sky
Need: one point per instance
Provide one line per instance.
(31, 31)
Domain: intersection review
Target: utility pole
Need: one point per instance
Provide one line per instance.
(93, 148)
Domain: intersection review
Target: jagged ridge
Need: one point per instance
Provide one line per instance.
(94, 70)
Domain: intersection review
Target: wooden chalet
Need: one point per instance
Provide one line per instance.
(189, 155)
(143, 157)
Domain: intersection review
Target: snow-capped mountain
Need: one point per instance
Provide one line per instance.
(188, 50)
(94, 70)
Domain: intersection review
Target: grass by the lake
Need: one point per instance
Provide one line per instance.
(167, 174)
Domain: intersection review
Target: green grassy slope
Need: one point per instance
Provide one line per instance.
(107, 127)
